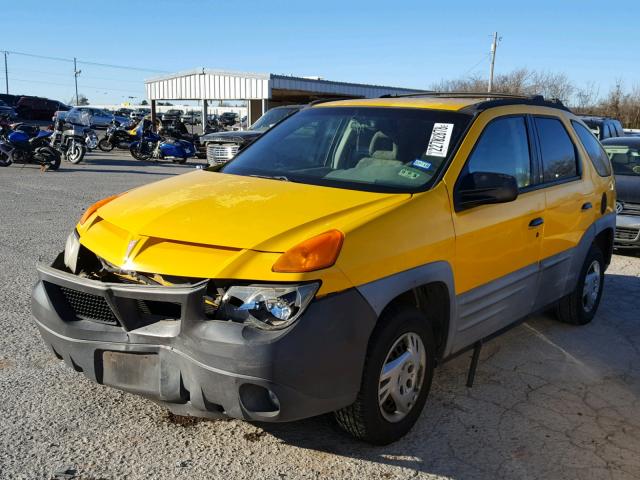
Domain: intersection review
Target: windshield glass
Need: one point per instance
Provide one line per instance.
(362, 148)
(79, 116)
(269, 119)
(625, 160)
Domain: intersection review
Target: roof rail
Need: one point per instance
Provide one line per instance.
(325, 100)
(433, 93)
(491, 99)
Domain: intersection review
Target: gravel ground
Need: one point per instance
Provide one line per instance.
(550, 400)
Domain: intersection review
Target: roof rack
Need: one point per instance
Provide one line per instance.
(491, 99)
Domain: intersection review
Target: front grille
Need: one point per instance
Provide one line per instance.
(87, 306)
(626, 234)
(630, 208)
(220, 153)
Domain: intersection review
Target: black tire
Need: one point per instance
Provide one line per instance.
(105, 145)
(5, 161)
(138, 154)
(180, 160)
(76, 153)
(364, 418)
(575, 308)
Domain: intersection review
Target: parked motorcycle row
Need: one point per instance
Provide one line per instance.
(145, 144)
(71, 137)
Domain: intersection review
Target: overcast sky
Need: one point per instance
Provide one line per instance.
(397, 43)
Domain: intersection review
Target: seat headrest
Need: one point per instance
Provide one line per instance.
(383, 147)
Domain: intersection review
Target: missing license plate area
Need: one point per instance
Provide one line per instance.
(134, 372)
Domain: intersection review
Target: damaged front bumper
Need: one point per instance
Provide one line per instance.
(156, 341)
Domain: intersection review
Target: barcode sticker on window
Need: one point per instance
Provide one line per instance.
(439, 141)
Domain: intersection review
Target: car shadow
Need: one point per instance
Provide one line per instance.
(535, 389)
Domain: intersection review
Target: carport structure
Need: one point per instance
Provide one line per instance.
(261, 91)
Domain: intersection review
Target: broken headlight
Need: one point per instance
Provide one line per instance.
(269, 307)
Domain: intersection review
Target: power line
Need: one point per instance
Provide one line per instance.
(58, 74)
(84, 62)
(109, 89)
(483, 59)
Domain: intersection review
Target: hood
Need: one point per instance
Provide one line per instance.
(241, 136)
(233, 211)
(628, 188)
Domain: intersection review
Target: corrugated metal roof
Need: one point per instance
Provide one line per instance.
(226, 85)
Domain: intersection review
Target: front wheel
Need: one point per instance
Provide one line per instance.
(581, 305)
(76, 153)
(396, 379)
(105, 145)
(5, 159)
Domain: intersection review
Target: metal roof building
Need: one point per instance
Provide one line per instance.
(260, 90)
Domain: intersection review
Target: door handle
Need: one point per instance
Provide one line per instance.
(536, 222)
(586, 206)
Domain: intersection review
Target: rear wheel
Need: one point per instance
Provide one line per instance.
(396, 379)
(581, 305)
(105, 145)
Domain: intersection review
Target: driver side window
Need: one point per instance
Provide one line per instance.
(503, 147)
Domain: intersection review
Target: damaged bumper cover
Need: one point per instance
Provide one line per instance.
(156, 341)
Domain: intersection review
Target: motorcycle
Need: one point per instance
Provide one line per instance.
(117, 136)
(69, 136)
(18, 146)
(153, 146)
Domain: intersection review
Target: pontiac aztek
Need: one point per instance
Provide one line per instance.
(337, 260)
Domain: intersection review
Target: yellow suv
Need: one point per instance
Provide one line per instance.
(337, 260)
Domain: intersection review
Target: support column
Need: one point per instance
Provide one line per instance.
(204, 116)
(255, 110)
(154, 115)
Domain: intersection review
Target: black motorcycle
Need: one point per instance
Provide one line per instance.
(117, 136)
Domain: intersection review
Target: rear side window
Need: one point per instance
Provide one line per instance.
(557, 150)
(503, 148)
(597, 155)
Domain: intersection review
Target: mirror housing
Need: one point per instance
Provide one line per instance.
(484, 188)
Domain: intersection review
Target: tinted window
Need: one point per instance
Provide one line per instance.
(594, 149)
(557, 150)
(503, 148)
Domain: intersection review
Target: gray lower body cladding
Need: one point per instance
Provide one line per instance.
(207, 368)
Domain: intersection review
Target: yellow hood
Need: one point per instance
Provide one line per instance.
(238, 212)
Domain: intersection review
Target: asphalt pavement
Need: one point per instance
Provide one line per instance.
(550, 401)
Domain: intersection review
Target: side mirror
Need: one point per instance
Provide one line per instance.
(483, 188)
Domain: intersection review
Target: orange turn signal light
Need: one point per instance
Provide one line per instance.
(89, 211)
(315, 253)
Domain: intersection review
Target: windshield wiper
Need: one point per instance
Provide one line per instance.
(272, 177)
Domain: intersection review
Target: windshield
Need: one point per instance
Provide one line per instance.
(269, 119)
(362, 148)
(79, 116)
(625, 160)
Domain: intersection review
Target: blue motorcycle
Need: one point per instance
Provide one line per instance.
(153, 146)
(27, 146)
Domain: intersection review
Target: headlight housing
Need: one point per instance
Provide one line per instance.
(268, 307)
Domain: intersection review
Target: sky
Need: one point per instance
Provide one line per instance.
(398, 43)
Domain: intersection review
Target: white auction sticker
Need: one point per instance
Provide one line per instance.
(439, 141)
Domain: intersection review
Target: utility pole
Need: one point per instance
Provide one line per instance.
(6, 73)
(494, 46)
(76, 72)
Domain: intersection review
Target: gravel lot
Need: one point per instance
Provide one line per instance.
(550, 401)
